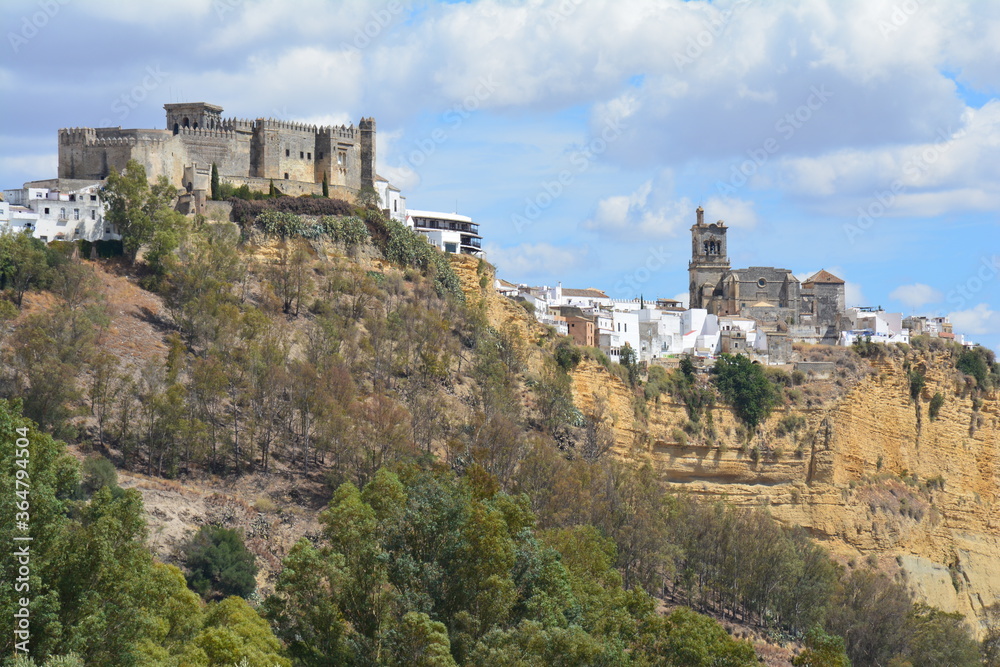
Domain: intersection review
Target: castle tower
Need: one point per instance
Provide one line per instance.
(367, 128)
(194, 115)
(709, 261)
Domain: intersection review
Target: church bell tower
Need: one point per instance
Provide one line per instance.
(709, 261)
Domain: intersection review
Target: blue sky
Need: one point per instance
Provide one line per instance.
(860, 136)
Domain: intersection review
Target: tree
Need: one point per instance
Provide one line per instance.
(421, 642)
(326, 186)
(822, 650)
(215, 181)
(940, 639)
(219, 563)
(870, 612)
(23, 264)
(132, 204)
(745, 387)
(630, 361)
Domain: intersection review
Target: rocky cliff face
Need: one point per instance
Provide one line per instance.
(861, 471)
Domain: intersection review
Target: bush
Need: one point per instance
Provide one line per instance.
(917, 382)
(936, 402)
(568, 356)
(96, 473)
(789, 424)
(219, 564)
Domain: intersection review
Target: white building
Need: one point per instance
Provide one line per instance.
(448, 231)
(57, 210)
(660, 333)
(880, 326)
(701, 332)
(391, 200)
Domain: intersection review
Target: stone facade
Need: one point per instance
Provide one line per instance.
(811, 311)
(295, 156)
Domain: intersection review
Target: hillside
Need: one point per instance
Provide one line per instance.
(861, 474)
(263, 375)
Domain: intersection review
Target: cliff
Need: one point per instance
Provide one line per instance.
(861, 472)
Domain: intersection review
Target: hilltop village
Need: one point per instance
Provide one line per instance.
(758, 311)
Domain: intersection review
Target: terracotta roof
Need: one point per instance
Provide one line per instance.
(824, 277)
(591, 292)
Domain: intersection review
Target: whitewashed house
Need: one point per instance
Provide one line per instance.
(57, 210)
(450, 232)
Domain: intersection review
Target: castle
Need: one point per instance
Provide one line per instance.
(295, 156)
(809, 311)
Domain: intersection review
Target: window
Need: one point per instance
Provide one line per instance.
(76, 214)
(72, 197)
(341, 158)
(309, 156)
(301, 155)
(288, 152)
(319, 156)
(46, 211)
(761, 282)
(93, 214)
(93, 197)
(286, 175)
(394, 205)
(451, 247)
(62, 214)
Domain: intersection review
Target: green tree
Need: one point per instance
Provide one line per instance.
(219, 563)
(306, 607)
(692, 640)
(326, 186)
(870, 612)
(234, 632)
(630, 360)
(215, 181)
(745, 386)
(421, 642)
(940, 639)
(822, 650)
(132, 204)
(23, 264)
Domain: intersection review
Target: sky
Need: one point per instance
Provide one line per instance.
(859, 136)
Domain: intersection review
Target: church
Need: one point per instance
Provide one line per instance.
(809, 311)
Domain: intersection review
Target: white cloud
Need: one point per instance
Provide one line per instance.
(977, 321)
(916, 295)
(529, 260)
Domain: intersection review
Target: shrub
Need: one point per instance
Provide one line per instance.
(789, 424)
(936, 402)
(568, 356)
(219, 564)
(917, 382)
(96, 473)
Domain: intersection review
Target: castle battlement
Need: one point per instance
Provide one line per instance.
(197, 136)
(206, 132)
(238, 124)
(77, 135)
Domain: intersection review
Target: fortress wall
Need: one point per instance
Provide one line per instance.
(286, 148)
(230, 151)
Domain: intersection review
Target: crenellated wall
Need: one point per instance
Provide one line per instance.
(249, 151)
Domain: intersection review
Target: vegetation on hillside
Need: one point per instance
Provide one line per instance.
(474, 515)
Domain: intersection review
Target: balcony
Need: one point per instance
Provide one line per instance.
(472, 241)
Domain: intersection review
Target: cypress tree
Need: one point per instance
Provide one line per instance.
(215, 181)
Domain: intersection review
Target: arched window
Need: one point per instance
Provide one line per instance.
(176, 128)
(186, 122)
